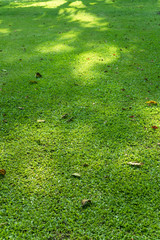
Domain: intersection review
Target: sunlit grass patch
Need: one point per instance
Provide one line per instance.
(4, 31)
(55, 48)
(44, 4)
(79, 89)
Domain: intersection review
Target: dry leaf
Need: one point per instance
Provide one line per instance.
(86, 202)
(70, 120)
(154, 127)
(135, 164)
(76, 175)
(33, 82)
(2, 172)
(38, 75)
(40, 121)
(131, 116)
(85, 165)
(152, 102)
(21, 108)
(64, 116)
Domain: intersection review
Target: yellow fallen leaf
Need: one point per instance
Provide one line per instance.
(152, 102)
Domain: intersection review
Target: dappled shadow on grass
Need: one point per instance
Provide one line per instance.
(93, 68)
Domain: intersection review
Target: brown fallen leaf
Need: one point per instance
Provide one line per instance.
(70, 120)
(41, 120)
(106, 176)
(86, 202)
(85, 165)
(33, 82)
(64, 116)
(154, 127)
(135, 164)
(38, 75)
(132, 116)
(2, 172)
(123, 89)
(76, 175)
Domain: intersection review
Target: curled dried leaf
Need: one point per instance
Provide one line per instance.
(76, 175)
(86, 202)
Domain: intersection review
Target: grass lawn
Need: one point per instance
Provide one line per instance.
(87, 114)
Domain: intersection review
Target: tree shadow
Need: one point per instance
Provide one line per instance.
(87, 59)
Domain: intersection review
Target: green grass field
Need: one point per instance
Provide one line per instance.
(87, 114)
